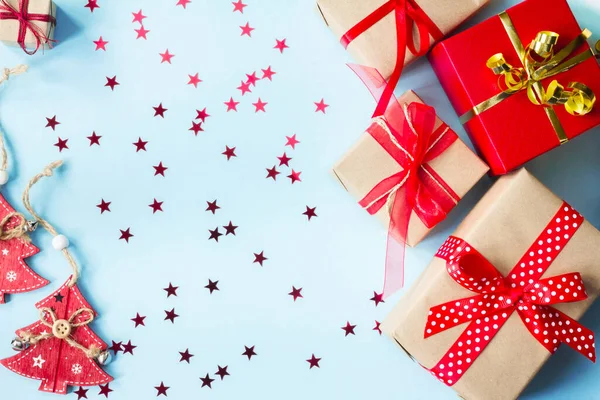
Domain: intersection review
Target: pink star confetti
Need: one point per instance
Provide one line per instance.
(259, 105)
(231, 104)
(281, 45)
(321, 106)
(166, 56)
(138, 17)
(246, 30)
(100, 44)
(238, 6)
(292, 141)
(268, 73)
(141, 33)
(194, 80)
(183, 3)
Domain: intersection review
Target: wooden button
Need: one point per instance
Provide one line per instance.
(61, 329)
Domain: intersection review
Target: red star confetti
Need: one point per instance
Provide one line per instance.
(206, 381)
(231, 104)
(112, 82)
(215, 234)
(348, 329)
(238, 6)
(126, 234)
(321, 106)
(185, 356)
(104, 206)
(310, 212)
(295, 176)
(159, 169)
(268, 73)
(156, 206)
(142, 32)
(292, 141)
(212, 286)
(105, 390)
(171, 290)
(377, 327)
(196, 128)
(222, 371)
(183, 3)
(140, 145)
(259, 105)
(138, 320)
(100, 44)
(161, 390)
(138, 17)
(230, 228)
(284, 160)
(229, 152)
(272, 173)
(94, 139)
(52, 122)
(166, 57)
(116, 347)
(212, 206)
(61, 144)
(92, 5)
(202, 114)
(194, 80)
(128, 348)
(313, 361)
(246, 30)
(281, 45)
(160, 111)
(252, 78)
(249, 352)
(295, 293)
(81, 393)
(377, 298)
(259, 258)
(170, 315)
(244, 88)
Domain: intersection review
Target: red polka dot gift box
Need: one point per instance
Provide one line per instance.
(503, 292)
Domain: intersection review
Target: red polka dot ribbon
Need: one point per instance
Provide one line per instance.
(522, 290)
(26, 23)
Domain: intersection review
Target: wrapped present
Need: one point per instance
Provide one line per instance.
(503, 292)
(27, 23)
(409, 169)
(523, 82)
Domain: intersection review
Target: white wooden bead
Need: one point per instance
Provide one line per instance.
(60, 242)
(3, 177)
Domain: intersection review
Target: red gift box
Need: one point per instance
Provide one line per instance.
(515, 130)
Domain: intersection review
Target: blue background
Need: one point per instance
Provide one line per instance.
(337, 258)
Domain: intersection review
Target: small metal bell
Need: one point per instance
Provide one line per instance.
(19, 344)
(104, 358)
(31, 226)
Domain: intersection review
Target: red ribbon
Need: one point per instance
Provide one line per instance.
(407, 14)
(522, 290)
(26, 23)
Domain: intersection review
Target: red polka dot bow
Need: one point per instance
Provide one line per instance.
(522, 290)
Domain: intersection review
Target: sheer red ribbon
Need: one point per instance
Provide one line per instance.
(26, 23)
(407, 14)
(409, 136)
(523, 290)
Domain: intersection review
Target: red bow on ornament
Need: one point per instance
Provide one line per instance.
(522, 290)
(27, 23)
(407, 14)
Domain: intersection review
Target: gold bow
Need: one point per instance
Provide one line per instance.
(540, 61)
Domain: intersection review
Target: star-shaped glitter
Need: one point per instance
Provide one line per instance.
(171, 290)
(249, 352)
(61, 144)
(140, 145)
(183, 3)
(295, 176)
(310, 212)
(52, 122)
(138, 320)
(229, 152)
(128, 347)
(377, 326)
(112, 82)
(268, 73)
(377, 298)
(238, 6)
(142, 32)
(159, 169)
(222, 371)
(259, 258)
(212, 286)
(170, 315)
(196, 128)
(194, 80)
(295, 293)
(321, 106)
(185, 356)
(280, 45)
(230, 228)
(244, 88)
(272, 173)
(348, 329)
(105, 390)
(202, 114)
(94, 139)
(246, 30)
(138, 17)
(116, 347)
(58, 298)
(126, 234)
(104, 206)
(292, 141)
(259, 105)
(100, 44)
(231, 104)
(252, 78)
(92, 5)
(156, 206)
(206, 381)
(161, 390)
(284, 160)
(159, 110)
(166, 57)
(81, 393)
(214, 234)
(313, 361)
(212, 206)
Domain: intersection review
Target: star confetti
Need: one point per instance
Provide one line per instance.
(128, 348)
(105, 390)
(321, 106)
(212, 206)
(196, 128)
(170, 315)
(244, 88)
(252, 78)
(160, 111)
(171, 290)
(81, 393)
(215, 234)
(259, 105)
(138, 320)
(292, 141)
(348, 329)
(281, 45)
(126, 234)
(295, 293)
(166, 57)
(159, 169)
(116, 347)
(138, 17)
(92, 5)
(284, 160)
(377, 327)
(231, 104)
(202, 114)
(52, 122)
(222, 371)
(183, 3)
(141, 33)
(230, 228)
(377, 298)
(61, 144)
(206, 381)
(249, 352)
(161, 390)
(100, 44)
(259, 258)
(140, 145)
(94, 139)
(212, 286)
(185, 356)
(229, 152)
(156, 206)
(313, 361)
(112, 82)
(246, 30)
(194, 80)
(238, 6)
(310, 212)
(104, 206)
(295, 176)
(272, 173)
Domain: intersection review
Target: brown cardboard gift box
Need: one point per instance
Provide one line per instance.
(377, 46)
(9, 28)
(502, 227)
(367, 163)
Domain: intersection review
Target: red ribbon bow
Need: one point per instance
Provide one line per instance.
(26, 23)
(407, 14)
(522, 290)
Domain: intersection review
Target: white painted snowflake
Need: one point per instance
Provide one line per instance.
(11, 276)
(76, 369)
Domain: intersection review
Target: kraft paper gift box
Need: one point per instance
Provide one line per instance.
(367, 163)
(502, 227)
(9, 28)
(377, 46)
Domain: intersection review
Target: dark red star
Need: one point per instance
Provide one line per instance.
(140, 145)
(296, 293)
(292, 141)
(222, 372)
(81, 393)
(214, 234)
(104, 206)
(252, 78)
(116, 347)
(160, 110)
(105, 390)
(202, 114)
(321, 106)
(284, 160)
(161, 390)
(138, 320)
(313, 361)
(156, 206)
(52, 122)
(259, 258)
(238, 6)
(229, 152)
(159, 169)
(171, 290)
(94, 139)
(246, 30)
(185, 356)
(196, 127)
(126, 235)
(249, 352)
(259, 105)
(212, 206)
(194, 80)
(377, 327)
(170, 315)
(230, 228)
(206, 381)
(231, 104)
(112, 82)
(377, 298)
(61, 144)
(349, 329)
(272, 173)
(268, 73)
(310, 212)
(141, 33)
(244, 88)
(281, 45)
(295, 176)
(92, 4)
(128, 348)
(212, 286)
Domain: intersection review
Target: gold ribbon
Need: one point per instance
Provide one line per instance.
(540, 62)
